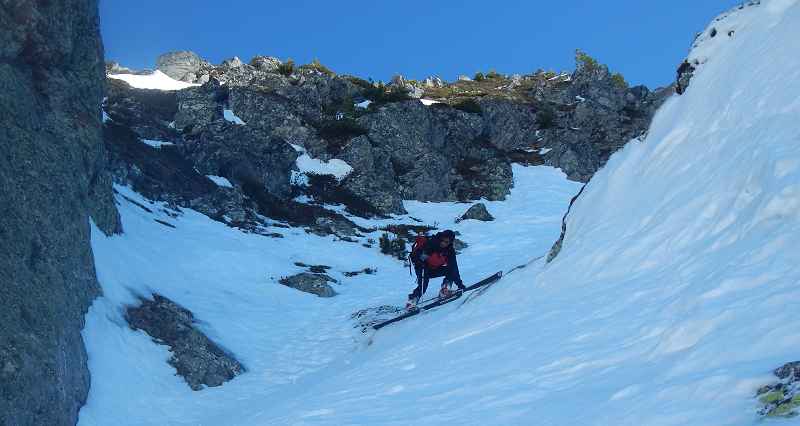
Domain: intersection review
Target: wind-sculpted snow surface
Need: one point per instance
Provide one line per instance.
(691, 235)
(674, 297)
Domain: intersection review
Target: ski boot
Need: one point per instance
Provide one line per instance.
(412, 304)
(446, 291)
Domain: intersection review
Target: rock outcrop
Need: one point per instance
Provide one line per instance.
(594, 118)
(477, 212)
(195, 357)
(782, 399)
(459, 149)
(316, 284)
(53, 180)
(181, 65)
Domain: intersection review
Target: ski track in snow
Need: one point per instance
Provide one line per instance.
(673, 298)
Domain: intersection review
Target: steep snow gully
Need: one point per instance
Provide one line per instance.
(673, 298)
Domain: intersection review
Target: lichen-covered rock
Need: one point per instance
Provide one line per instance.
(311, 283)
(195, 357)
(782, 399)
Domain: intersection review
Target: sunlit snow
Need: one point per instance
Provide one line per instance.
(155, 144)
(674, 297)
(336, 167)
(230, 116)
(157, 80)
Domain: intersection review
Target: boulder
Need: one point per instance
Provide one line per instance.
(265, 63)
(397, 80)
(330, 226)
(415, 90)
(181, 65)
(478, 212)
(311, 283)
(513, 81)
(234, 62)
(252, 78)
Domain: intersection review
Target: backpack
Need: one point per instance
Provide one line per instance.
(421, 238)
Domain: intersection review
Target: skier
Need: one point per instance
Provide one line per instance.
(435, 258)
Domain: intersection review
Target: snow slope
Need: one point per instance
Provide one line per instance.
(674, 296)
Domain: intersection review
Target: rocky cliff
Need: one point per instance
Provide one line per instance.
(458, 145)
(51, 180)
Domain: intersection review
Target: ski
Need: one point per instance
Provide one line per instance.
(438, 302)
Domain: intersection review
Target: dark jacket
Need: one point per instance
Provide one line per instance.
(437, 255)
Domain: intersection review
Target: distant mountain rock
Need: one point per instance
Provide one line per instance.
(459, 146)
(181, 65)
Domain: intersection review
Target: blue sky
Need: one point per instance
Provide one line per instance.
(644, 40)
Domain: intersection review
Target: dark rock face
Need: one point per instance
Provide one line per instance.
(195, 357)
(593, 119)
(556, 248)
(685, 73)
(53, 179)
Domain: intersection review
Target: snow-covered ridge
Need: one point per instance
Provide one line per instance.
(157, 80)
(690, 233)
(721, 29)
